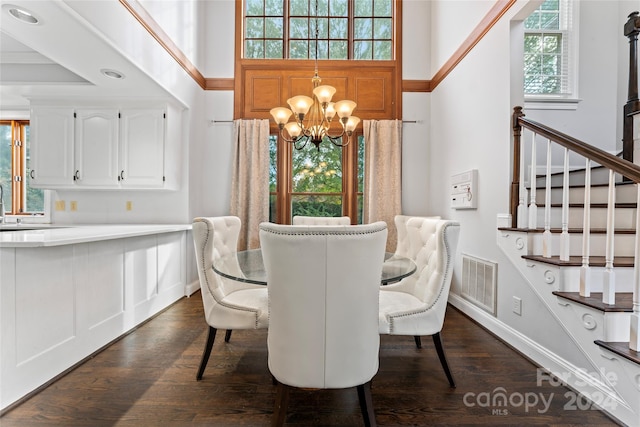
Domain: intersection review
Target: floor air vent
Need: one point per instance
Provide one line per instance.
(479, 279)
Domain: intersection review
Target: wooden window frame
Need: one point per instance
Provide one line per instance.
(17, 204)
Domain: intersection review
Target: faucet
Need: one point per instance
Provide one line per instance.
(1, 204)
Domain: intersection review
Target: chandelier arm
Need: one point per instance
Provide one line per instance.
(304, 139)
(334, 139)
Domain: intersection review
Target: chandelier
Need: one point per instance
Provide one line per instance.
(313, 116)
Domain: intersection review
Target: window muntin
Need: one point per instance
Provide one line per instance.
(286, 29)
(549, 52)
(19, 196)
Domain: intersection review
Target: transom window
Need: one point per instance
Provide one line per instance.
(344, 29)
(548, 50)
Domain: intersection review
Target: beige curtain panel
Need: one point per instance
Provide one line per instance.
(250, 181)
(383, 174)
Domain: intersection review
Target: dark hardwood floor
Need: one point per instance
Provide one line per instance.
(148, 379)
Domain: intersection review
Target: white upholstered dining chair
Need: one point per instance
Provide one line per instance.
(228, 304)
(402, 245)
(323, 284)
(417, 304)
(320, 220)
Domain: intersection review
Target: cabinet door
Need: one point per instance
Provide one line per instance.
(142, 148)
(96, 148)
(52, 147)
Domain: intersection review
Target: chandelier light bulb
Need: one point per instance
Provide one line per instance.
(330, 111)
(324, 93)
(300, 104)
(293, 129)
(352, 123)
(280, 115)
(344, 108)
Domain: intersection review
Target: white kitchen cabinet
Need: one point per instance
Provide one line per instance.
(97, 148)
(51, 147)
(142, 148)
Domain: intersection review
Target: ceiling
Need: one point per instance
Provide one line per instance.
(61, 58)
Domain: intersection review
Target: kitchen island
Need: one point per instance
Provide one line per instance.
(67, 291)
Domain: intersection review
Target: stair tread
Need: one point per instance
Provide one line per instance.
(570, 230)
(621, 349)
(576, 260)
(624, 301)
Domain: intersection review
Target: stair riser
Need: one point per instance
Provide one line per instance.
(576, 177)
(624, 194)
(625, 218)
(570, 279)
(624, 244)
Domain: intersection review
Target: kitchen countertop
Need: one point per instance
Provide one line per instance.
(59, 234)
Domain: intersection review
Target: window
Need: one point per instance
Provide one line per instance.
(344, 29)
(549, 51)
(325, 182)
(19, 197)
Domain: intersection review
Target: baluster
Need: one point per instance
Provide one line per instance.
(585, 270)
(533, 208)
(609, 285)
(522, 194)
(634, 338)
(546, 236)
(564, 237)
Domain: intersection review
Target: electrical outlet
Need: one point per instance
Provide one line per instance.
(517, 306)
(60, 205)
(129, 205)
(73, 206)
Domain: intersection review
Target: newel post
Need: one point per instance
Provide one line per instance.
(515, 178)
(631, 31)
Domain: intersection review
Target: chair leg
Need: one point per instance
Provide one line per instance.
(366, 404)
(437, 341)
(280, 407)
(418, 341)
(207, 352)
(227, 335)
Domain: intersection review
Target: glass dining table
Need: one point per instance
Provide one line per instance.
(247, 266)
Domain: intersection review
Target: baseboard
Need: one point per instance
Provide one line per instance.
(545, 359)
(191, 288)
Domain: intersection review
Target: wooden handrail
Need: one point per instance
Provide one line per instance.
(617, 164)
(629, 170)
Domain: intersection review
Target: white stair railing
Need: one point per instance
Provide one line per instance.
(634, 339)
(585, 270)
(546, 236)
(564, 238)
(609, 285)
(533, 207)
(613, 165)
(522, 194)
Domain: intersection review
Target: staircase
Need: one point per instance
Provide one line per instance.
(574, 240)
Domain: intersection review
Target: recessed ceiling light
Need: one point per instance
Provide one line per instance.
(23, 15)
(112, 74)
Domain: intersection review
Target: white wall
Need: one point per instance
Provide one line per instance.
(471, 129)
